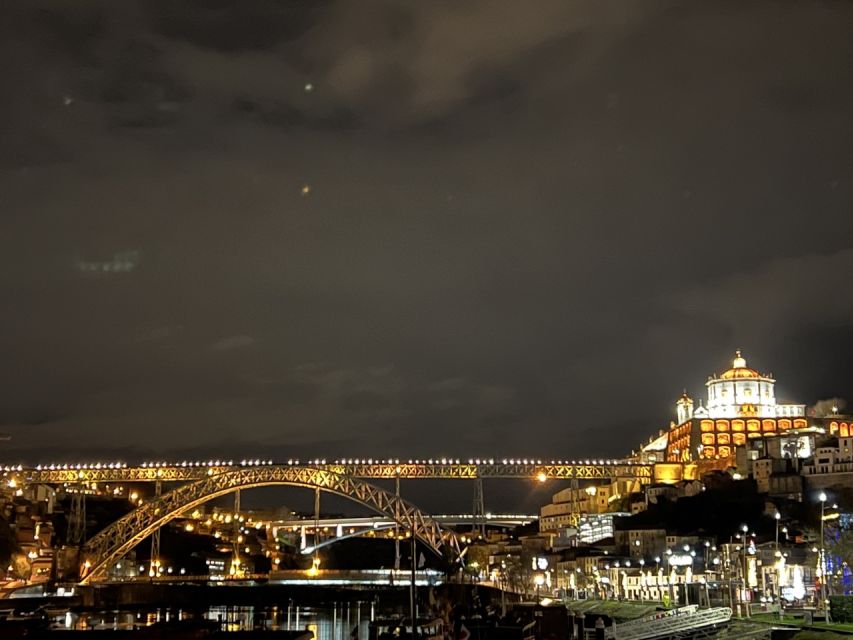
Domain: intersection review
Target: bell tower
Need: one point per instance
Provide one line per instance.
(684, 408)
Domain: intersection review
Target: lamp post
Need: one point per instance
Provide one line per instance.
(777, 517)
(822, 498)
(742, 569)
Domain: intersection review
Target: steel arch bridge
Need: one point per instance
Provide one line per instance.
(113, 542)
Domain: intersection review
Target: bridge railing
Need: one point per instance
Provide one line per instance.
(670, 623)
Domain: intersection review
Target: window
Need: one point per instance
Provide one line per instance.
(784, 424)
(722, 425)
(724, 438)
(738, 425)
(706, 425)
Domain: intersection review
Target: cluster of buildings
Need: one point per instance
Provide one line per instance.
(740, 432)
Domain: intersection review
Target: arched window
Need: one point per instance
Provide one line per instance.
(833, 428)
(737, 425)
(784, 424)
(706, 425)
(739, 439)
(707, 438)
(753, 425)
(843, 430)
(722, 425)
(769, 425)
(724, 438)
(800, 423)
(708, 452)
(725, 452)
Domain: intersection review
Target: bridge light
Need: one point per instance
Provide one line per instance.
(541, 477)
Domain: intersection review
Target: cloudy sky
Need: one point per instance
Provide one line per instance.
(412, 228)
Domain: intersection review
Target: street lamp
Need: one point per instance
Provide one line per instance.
(778, 517)
(538, 580)
(822, 497)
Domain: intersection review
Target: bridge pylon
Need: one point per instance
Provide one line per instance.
(76, 534)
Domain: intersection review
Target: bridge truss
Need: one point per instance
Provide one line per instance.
(365, 469)
(113, 542)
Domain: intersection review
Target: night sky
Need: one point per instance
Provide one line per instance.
(408, 228)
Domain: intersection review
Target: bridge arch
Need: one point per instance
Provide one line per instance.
(113, 542)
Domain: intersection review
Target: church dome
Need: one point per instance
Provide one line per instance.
(740, 371)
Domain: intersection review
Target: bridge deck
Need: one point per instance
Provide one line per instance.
(366, 469)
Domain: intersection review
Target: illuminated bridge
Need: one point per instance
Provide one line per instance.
(367, 468)
(193, 483)
(451, 520)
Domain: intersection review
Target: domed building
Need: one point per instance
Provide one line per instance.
(741, 406)
(742, 391)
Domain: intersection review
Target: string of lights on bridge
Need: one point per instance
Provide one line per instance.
(316, 462)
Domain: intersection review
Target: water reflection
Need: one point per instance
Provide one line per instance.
(344, 621)
(339, 621)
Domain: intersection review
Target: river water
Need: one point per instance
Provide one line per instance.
(342, 621)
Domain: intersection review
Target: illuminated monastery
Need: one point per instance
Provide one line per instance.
(741, 407)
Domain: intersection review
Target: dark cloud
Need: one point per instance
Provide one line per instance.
(527, 227)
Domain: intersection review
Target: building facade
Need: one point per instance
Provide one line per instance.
(741, 406)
